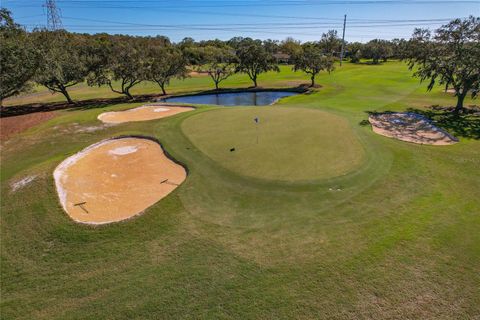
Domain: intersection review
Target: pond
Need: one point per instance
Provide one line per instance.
(245, 98)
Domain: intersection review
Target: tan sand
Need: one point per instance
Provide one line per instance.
(411, 128)
(143, 113)
(115, 179)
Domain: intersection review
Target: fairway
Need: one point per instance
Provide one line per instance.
(277, 143)
(323, 219)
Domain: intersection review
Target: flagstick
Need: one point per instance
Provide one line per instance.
(257, 121)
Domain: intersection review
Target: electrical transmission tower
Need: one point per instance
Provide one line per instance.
(53, 16)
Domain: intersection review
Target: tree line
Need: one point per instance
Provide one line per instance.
(60, 59)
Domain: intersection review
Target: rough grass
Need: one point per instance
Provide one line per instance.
(399, 240)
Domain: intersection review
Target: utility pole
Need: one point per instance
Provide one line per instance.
(343, 39)
(53, 15)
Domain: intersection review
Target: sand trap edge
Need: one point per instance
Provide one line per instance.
(383, 132)
(81, 154)
(166, 104)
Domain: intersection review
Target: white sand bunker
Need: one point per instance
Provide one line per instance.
(115, 179)
(143, 113)
(410, 127)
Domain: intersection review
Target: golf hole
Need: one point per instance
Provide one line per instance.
(115, 179)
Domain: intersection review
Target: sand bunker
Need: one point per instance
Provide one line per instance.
(143, 113)
(410, 127)
(115, 179)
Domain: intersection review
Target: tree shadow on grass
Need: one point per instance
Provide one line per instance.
(19, 110)
(466, 125)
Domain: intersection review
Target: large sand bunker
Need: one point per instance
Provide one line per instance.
(410, 127)
(115, 179)
(149, 112)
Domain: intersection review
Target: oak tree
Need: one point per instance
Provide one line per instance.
(164, 63)
(311, 60)
(63, 61)
(218, 63)
(451, 57)
(253, 59)
(18, 57)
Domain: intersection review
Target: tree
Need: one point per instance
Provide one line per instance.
(354, 51)
(253, 59)
(451, 57)
(291, 46)
(163, 64)
(18, 58)
(377, 49)
(398, 47)
(235, 42)
(219, 63)
(63, 61)
(330, 43)
(271, 46)
(311, 61)
(123, 61)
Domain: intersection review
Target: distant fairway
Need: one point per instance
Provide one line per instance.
(293, 143)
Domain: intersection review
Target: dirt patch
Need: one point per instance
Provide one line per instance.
(410, 127)
(115, 179)
(144, 113)
(13, 125)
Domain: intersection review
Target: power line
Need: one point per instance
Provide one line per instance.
(223, 4)
(313, 24)
(365, 23)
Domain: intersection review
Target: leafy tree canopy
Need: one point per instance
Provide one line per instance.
(450, 57)
(164, 63)
(377, 50)
(330, 43)
(123, 65)
(311, 60)
(218, 63)
(253, 59)
(18, 57)
(63, 60)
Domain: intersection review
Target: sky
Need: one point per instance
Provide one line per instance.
(304, 20)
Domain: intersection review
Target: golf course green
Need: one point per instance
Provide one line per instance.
(277, 143)
(322, 218)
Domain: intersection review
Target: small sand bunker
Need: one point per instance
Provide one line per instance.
(143, 113)
(410, 127)
(115, 179)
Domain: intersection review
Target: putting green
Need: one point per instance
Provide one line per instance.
(293, 144)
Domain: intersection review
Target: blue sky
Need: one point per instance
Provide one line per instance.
(305, 20)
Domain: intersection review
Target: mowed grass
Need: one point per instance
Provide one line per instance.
(395, 238)
(288, 144)
(202, 82)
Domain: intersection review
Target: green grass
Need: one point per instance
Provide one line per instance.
(395, 238)
(288, 144)
(286, 78)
